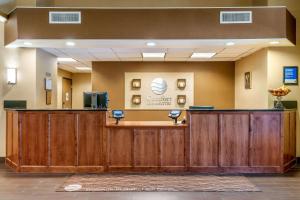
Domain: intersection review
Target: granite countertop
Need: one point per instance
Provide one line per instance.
(22, 109)
(240, 110)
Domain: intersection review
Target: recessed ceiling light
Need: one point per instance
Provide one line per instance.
(154, 55)
(70, 44)
(274, 42)
(230, 44)
(151, 44)
(66, 60)
(203, 55)
(27, 43)
(83, 68)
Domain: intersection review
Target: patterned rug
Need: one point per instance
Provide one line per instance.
(156, 182)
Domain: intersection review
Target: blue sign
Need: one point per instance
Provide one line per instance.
(290, 75)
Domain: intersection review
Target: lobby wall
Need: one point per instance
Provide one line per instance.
(31, 66)
(287, 56)
(24, 61)
(45, 63)
(60, 74)
(257, 96)
(214, 83)
(81, 82)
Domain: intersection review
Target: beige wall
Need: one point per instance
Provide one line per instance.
(279, 57)
(214, 83)
(60, 74)
(257, 97)
(31, 66)
(45, 63)
(81, 82)
(24, 61)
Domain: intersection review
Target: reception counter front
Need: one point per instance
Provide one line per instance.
(216, 141)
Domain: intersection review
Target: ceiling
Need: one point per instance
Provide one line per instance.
(86, 51)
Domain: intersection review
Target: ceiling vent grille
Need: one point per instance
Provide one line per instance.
(236, 17)
(65, 17)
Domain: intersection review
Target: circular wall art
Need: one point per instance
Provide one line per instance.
(159, 86)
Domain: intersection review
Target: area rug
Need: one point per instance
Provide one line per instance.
(155, 182)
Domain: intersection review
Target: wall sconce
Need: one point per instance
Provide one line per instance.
(181, 84)
(11, 75)
(136, 83)
(181, 99)
(136, 99)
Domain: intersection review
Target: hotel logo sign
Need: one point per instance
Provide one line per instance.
(159, 86)
(159, 90)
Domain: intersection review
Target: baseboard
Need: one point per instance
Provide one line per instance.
(2, 159)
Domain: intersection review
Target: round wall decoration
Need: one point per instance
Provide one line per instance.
(159, 86)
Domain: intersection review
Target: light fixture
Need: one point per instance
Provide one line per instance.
(70, 43)
(3, 19)
(230, 44)
(11, 76)
(203, 55)
(66, 60)
(154, 55)
(151, 44)
(274, 42)
(27, 43)
(83, 68)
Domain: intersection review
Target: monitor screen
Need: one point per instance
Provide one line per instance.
(95, 100)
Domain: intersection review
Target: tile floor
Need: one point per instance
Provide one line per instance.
(15, 186)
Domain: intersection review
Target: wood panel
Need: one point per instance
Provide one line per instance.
(289, 136)
(9, 134)
(62, 139)
(120, 144)
(15, 138)
(234, 139)
(90, 139)
(34, 138)
(172, 145)
(265, 139)
(204, 140)
(146, 148)
(293, 128)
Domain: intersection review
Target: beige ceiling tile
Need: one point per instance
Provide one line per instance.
(129, 55)
(176, 59)
(227, 55)
(126, 50)
(100, 50)
(208, 49)
(235, 50)
(105, 55)
(131, 59)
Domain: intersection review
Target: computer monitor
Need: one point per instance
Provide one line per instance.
(95, 100)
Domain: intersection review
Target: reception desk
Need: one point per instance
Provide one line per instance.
(215, 141)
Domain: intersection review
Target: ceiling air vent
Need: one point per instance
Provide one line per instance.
(65, 17)
(236, 17)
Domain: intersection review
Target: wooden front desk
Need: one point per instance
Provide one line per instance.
(220, 141)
